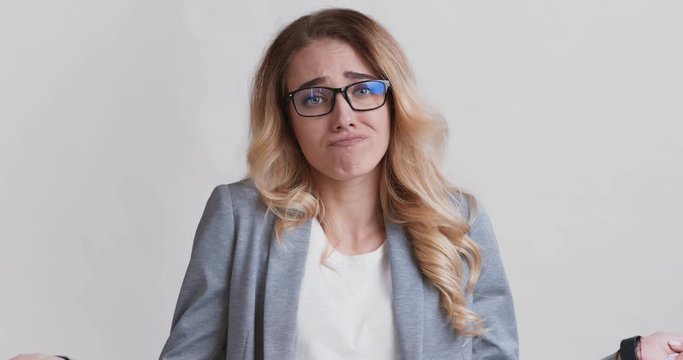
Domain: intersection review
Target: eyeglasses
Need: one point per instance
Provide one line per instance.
(361, 96)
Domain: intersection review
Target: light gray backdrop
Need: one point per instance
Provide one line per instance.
(117, 118)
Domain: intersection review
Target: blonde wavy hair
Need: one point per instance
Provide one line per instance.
(413, 191)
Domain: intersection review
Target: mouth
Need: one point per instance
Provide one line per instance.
(348, 141)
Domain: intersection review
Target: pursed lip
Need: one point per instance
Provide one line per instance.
(348, 140)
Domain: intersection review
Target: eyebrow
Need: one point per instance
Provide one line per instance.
(348, 74)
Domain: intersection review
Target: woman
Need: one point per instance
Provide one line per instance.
(345, 240)
(341, 153)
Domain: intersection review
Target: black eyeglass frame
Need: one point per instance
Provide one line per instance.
(343, 90)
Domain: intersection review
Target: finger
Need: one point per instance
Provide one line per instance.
(676, 346)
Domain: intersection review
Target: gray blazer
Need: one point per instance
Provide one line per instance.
(240, 294)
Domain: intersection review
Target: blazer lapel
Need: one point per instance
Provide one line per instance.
(286, 265)
(407, 292)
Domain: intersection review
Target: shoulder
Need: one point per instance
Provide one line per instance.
(466, 203)
(473, 212)
(241, 196)
(243, 192)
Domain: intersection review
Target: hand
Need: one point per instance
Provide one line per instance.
(661, 346)
(35, 357)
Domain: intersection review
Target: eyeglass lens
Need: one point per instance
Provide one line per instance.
(366, 95)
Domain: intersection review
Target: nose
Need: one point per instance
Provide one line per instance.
(342, 113)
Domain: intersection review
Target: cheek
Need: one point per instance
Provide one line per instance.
(308, 135)
(385, 129)
(298, 127)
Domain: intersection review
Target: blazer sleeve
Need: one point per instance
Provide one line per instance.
(199, 325)
(492, 299)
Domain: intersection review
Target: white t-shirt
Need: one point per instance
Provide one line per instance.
(345, 305)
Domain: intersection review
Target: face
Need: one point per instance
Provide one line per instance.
(344, 144)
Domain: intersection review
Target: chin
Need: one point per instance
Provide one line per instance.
(342, 175)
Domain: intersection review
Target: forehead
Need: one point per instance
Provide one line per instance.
(330, 59)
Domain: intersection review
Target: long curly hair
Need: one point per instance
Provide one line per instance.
(413, 191)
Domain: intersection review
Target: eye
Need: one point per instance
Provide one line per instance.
(368, 88)
(362, 91)
(312, 97)
(313, 100)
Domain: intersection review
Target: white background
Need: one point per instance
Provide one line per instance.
(117, 119)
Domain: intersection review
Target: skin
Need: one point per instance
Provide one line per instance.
(346, 174)
(661, 346)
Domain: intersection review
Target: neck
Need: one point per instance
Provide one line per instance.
(353, 216)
